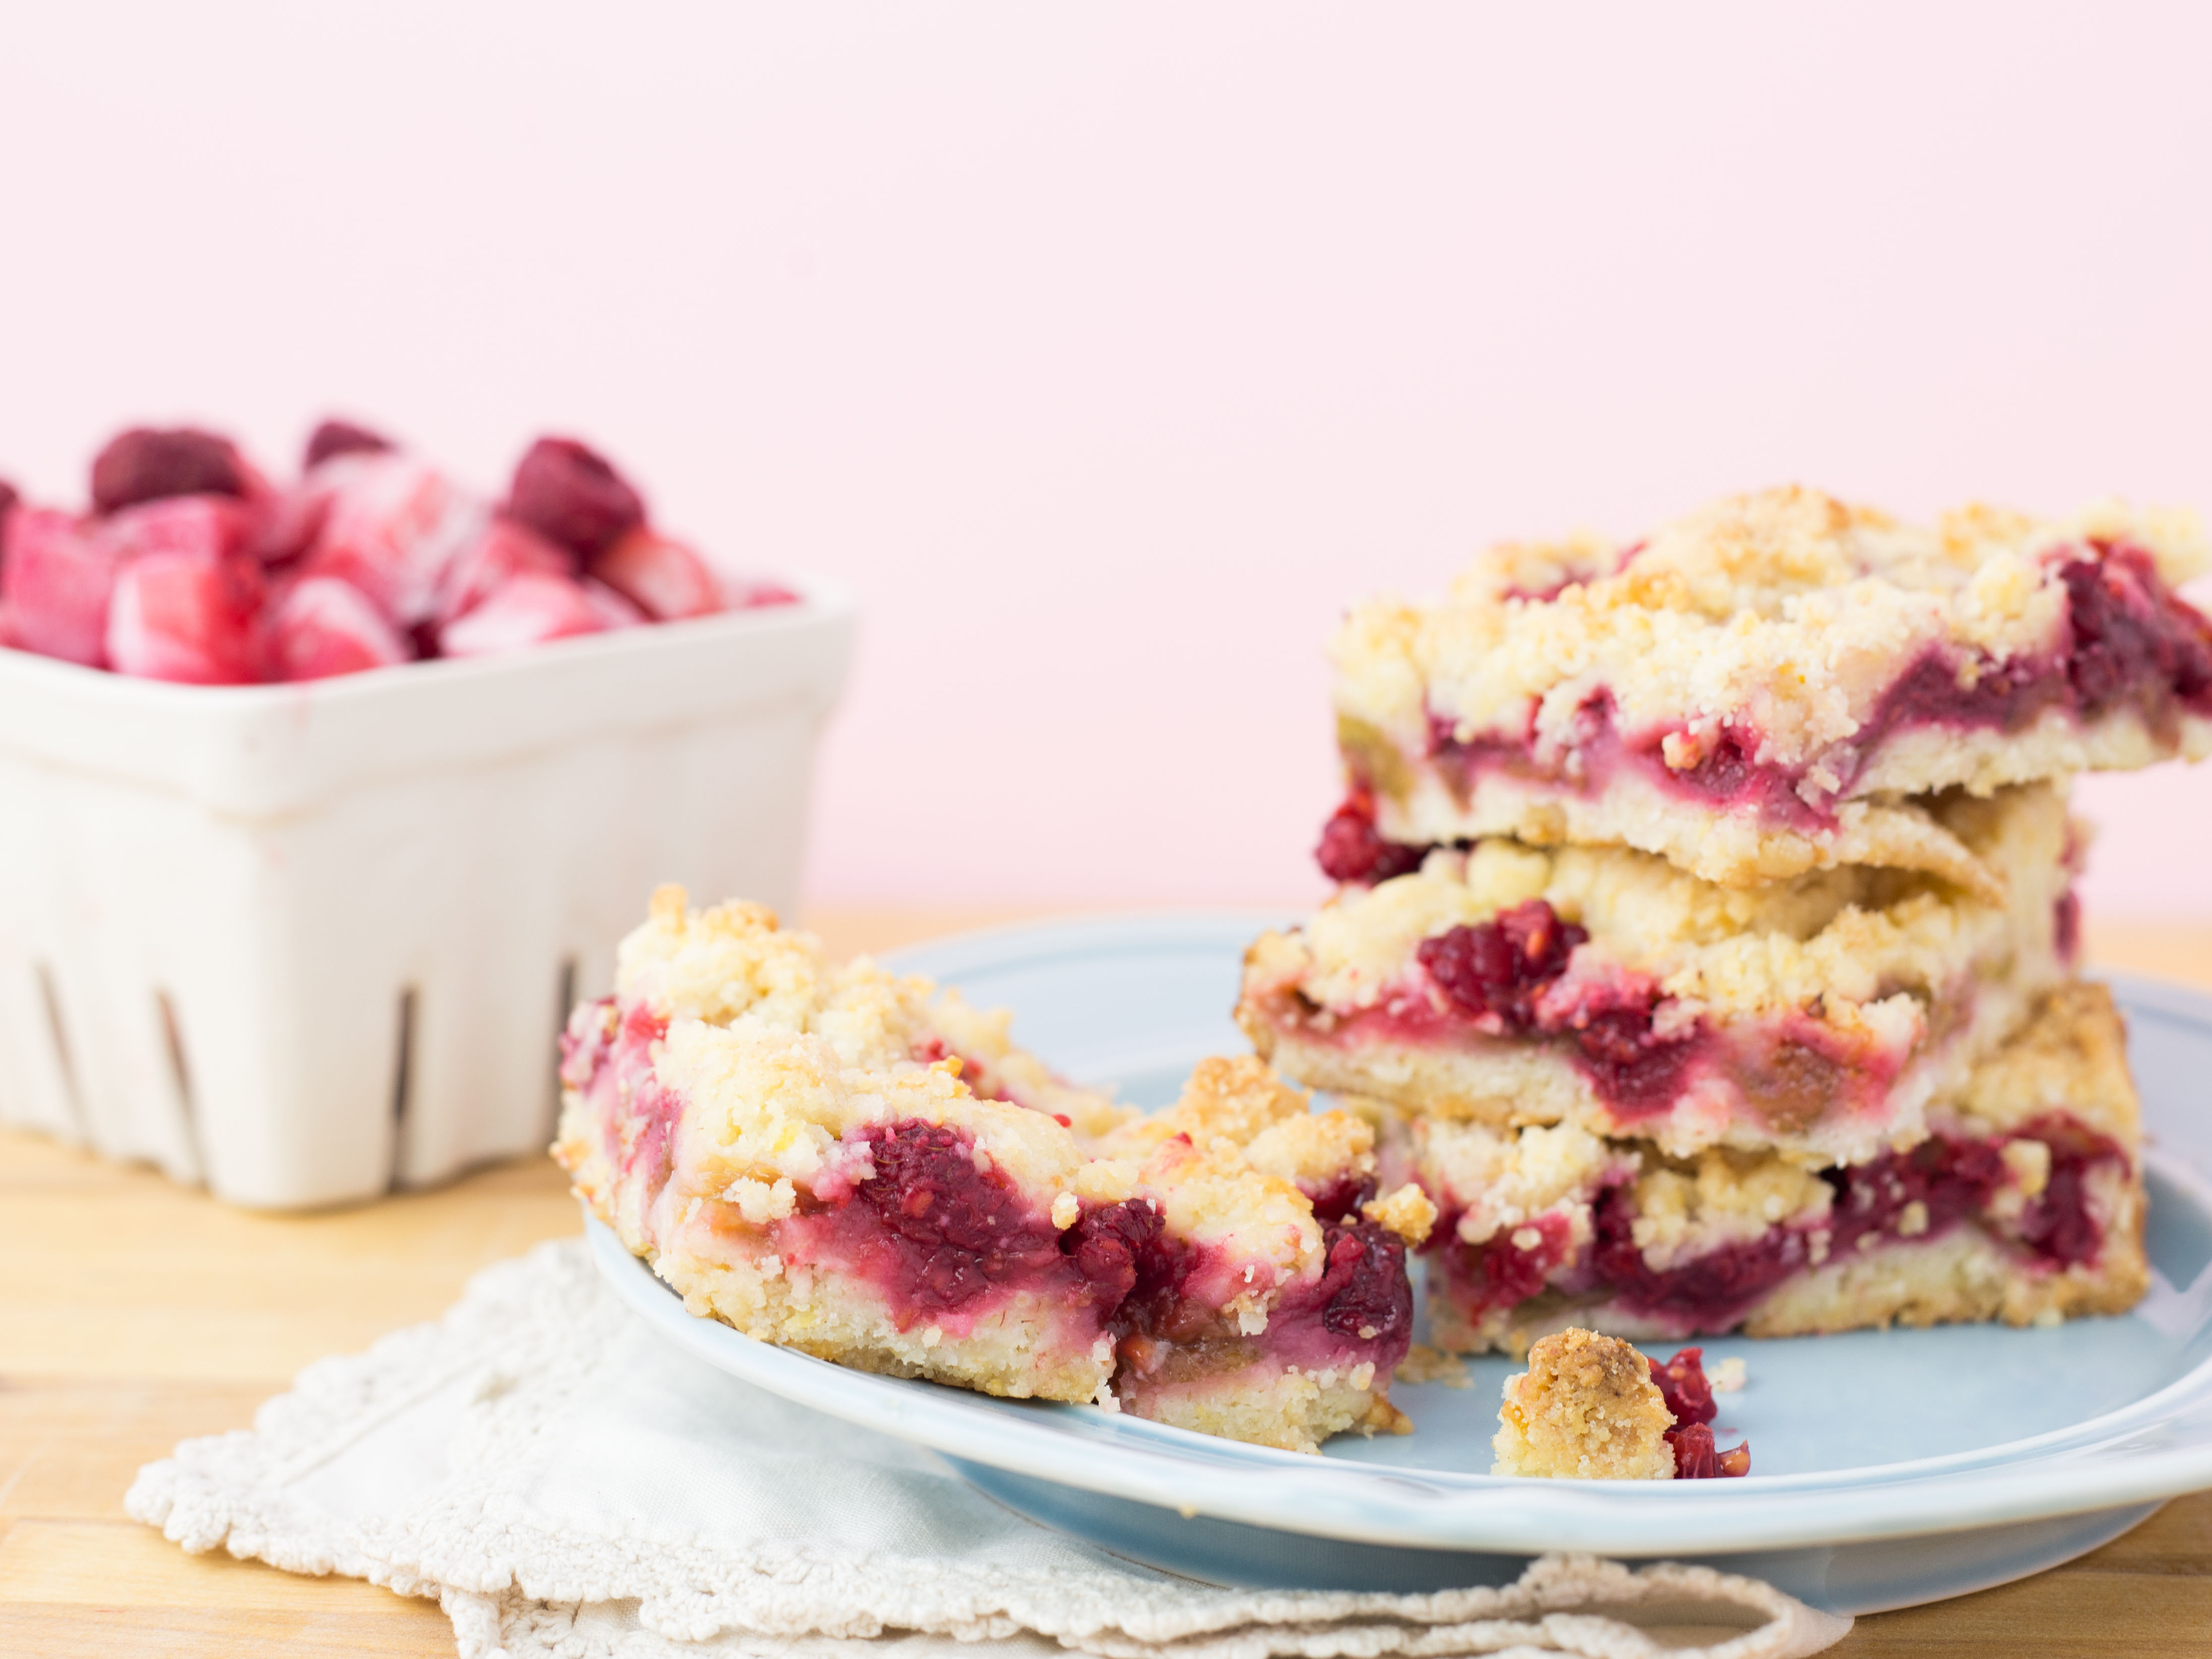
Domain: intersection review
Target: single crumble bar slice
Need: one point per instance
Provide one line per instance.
(2024, 1202)
(1271, 1304)
(1609, 989)
(798, 1149)
(1586, 1409)
(1760, 688)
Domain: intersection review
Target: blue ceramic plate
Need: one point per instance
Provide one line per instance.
(1893, 1466)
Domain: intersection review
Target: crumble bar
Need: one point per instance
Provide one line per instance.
(1607, 989)
(1760, 688)
(2025, 1203)
(858, 1165)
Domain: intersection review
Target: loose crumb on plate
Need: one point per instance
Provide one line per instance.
(1424, 1363)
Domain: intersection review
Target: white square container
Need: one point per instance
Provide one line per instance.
(309, 943)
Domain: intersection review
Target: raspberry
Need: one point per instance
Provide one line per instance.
(1113, 1246)
(55, 580)
(664, 579)
(1498, 968)
(951, 1227)
(525, 610)
(1682, 1384)
(1696, 1457)
(1338, 1198)
(146, 464)
(2059, 1225)
(187, 616)
(1352, 849)
(342, 438)
(323, 627)
(570, 495)
(2129, 640)
(1370, 1298)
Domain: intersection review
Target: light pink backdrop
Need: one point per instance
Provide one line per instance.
(1109, 353)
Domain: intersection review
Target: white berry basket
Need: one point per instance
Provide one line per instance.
(310, 943)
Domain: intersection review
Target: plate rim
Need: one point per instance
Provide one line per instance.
(2079, 1469)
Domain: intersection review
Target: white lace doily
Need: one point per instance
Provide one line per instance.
(566, 1484)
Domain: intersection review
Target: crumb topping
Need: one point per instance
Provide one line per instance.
(1493, 1180)
(1786, 607)
(2071, 1058)
(1586, 1409)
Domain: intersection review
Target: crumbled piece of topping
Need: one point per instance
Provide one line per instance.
(1586, 1409)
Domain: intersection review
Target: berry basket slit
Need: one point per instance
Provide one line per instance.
(310, 943)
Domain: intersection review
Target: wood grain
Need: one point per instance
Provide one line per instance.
(134, 1313)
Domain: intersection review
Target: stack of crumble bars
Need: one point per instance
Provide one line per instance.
(1706, 933)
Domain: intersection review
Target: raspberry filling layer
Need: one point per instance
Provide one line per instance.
(1911, 1196)
(2131, 644)
(1359, 1310)
(942, 1235)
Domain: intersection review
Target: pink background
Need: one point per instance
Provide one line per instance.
(1109, 354)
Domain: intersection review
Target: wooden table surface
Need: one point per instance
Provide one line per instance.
(134, 1313)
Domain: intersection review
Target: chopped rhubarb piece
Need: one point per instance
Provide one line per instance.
(572, 496)
(525, 610)
(206, 526)
(323, 627)
(9, 497)
(663, 578)
(185, 616)
(342, 438)
(392, 525)
(56, 578)
(146, 464)
(612, 610)
(501, 549)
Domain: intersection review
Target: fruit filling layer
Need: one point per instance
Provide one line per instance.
(2034, 1191)
(938, 1233)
